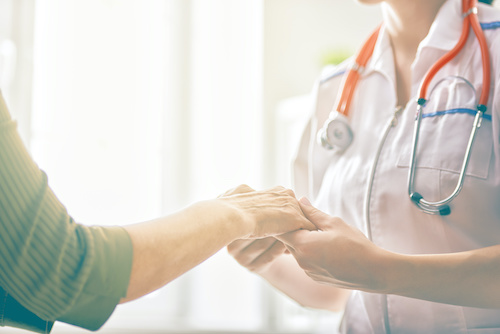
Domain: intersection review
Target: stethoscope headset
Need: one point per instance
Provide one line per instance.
(337, 134)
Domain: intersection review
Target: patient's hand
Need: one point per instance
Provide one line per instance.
(266, 213)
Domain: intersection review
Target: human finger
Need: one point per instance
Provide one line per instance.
(294, 203)
(245, 253)
(292, 217)
(320, 219)
(257, 255)
(294, 239)
(241, 189)
(260, 263)
(238, 245)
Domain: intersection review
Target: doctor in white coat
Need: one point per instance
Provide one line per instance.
(391, 266)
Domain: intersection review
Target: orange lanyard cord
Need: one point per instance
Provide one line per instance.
(350, 79)
(485, 58)
(447, 57)
(470, 11)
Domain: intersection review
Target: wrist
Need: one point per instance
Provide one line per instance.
(388, 273)
(232, 218)
(394, 272)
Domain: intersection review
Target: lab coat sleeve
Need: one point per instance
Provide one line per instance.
(52, 266)
(495, 93)
(301, 160)
(300, 170)
(311, 159)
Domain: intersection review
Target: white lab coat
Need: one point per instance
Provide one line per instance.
(366, 185)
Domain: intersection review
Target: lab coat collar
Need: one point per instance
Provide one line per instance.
(382, 59)
(446, 29)
(444, 33)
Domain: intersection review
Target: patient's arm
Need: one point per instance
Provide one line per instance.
(167, 247)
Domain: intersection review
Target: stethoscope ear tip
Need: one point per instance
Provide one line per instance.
(416, 197)
(444, 210)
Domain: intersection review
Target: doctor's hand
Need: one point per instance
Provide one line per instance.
(266, 213)
(256, 255)
(337, 254)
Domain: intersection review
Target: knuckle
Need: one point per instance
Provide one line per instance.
(232, 250)
(290, 207)
(290, 192)
(240, 188)
(231, 191)
(278, 189)
(226, 193)
(244, 188)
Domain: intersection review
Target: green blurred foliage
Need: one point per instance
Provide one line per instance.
(335, 57)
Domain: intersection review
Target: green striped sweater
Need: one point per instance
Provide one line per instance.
(53, 267)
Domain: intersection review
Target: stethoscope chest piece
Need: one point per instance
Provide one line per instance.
(336, 132)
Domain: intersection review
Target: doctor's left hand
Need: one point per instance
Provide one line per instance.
(337, 253)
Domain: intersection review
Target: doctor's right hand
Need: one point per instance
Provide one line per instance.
(266, 213)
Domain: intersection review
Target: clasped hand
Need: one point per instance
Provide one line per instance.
(332, 252)
(266, 213)
(337, 253)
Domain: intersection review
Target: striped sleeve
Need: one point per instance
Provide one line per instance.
(54, 267)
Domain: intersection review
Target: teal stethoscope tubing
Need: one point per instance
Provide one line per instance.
(442, 207)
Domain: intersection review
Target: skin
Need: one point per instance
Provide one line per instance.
(339, 258)
(353, 262)
(165, 248)
(270, 259)
(407, 23)
(267, 258)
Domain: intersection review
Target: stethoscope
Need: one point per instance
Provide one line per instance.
(337, 134)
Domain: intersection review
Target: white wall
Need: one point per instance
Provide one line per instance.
(297, 36)
(16, 60)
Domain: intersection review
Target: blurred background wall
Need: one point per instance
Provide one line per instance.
(136, 108)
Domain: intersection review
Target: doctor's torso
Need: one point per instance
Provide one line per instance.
(367, 183)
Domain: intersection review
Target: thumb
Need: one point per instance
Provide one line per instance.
(315, 216)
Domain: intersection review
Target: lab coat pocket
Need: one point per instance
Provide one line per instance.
(447, 121)
(443, 142)
(441, 148)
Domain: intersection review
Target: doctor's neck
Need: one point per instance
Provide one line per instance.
(408, 22)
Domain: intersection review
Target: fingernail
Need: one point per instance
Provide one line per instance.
(305, 201)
